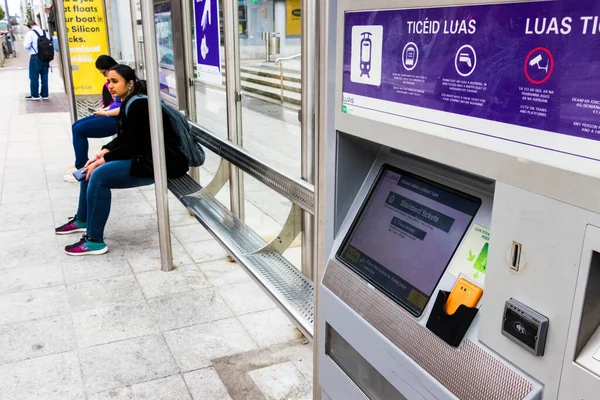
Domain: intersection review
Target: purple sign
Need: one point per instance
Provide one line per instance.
(535, 64)
(208, 42)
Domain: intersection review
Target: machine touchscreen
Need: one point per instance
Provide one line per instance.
(405, 235)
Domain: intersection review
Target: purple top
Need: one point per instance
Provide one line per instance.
(116, 103)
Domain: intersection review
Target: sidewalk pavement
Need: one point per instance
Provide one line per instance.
(115, 326)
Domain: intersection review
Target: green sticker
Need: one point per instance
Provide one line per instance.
(344, 109)
(481, 262)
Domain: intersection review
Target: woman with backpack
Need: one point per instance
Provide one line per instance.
(125, 162)
(103, 122)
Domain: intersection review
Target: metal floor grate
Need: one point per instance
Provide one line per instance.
(277, 276)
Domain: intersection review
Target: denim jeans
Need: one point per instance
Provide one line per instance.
(90, 127)
(38, 69)
(95, 195)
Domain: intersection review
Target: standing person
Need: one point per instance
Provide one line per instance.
(38, 68)
(125, 162)
(103, 122)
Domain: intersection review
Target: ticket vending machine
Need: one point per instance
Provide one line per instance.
(470, 150)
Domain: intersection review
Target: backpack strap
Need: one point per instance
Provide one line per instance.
(132, 99)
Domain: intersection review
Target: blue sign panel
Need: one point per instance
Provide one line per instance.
(533, 65)
(208, 42)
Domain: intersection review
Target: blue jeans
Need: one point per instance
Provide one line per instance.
(38, 69)
(90, 127)
(95, 195)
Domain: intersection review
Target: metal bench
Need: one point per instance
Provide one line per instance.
(263, 261)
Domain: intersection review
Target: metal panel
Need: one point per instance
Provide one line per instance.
(276, 276)
(298, 191)
(460, 370)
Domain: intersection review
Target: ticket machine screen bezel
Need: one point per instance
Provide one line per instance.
(417, 312)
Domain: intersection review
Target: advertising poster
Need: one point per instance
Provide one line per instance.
(533, 65)
(164, 44)
(293, 20)
(206, 16)
(88, 39)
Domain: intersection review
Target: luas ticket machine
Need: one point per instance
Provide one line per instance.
(464, 160)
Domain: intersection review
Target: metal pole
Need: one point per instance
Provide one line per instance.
(137, 54)
(157, 135)
(187, 14)
(9, 43)
(308, 40)
(233, 90)
(65, 58)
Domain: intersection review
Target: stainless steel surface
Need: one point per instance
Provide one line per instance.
(65, 57)
(309, 67)
(459, 370)
(360, 371)
(157, 135)
(219, 180)
(233, 90)
(137, 54)
(183, 186)
(296, 190)
(321, 134)
(292, 292)
(288, 233)
(280, 59)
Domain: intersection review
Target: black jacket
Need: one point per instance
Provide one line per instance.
(133, 143)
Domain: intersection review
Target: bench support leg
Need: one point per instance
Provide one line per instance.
(219, 180)
(289, 232)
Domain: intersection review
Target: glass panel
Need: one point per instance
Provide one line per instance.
(266, 213)
(211, 105)
(164, 44)
(269, 30)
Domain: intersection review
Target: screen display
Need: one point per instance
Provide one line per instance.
(405, 235)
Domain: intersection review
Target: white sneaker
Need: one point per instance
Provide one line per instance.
(69, 176)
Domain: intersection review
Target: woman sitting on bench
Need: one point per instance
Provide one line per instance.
(125, 162)
(103, 122)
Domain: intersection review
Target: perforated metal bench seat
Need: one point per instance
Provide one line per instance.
(275, 274)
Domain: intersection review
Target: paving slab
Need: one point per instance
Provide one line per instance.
(37, 338)
(55, 377)
(114, 323)
(114, 365)
(33, 304)
(185, 309)
(194, 347)
(169, 388)
(206, 384)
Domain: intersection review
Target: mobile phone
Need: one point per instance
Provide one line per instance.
(463, 292)
(80, 174)
(92, 110)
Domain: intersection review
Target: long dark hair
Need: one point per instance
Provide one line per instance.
(105, 62)
(139, 86)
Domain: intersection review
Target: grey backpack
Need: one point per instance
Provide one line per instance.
(190, 143)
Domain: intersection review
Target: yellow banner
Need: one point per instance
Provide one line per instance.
(293, 25)
(86, 30)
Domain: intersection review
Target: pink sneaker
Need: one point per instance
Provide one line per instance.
(73, 226)
(86, 246)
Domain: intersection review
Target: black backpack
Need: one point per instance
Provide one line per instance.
(45, 48)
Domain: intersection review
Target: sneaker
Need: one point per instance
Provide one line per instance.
(45, 98)
(32, 98)
(70, 178)
(72, 226)
(86, 246)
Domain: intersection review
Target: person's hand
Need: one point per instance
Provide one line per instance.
(100, 113)
(97, 157)
(92, 166)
